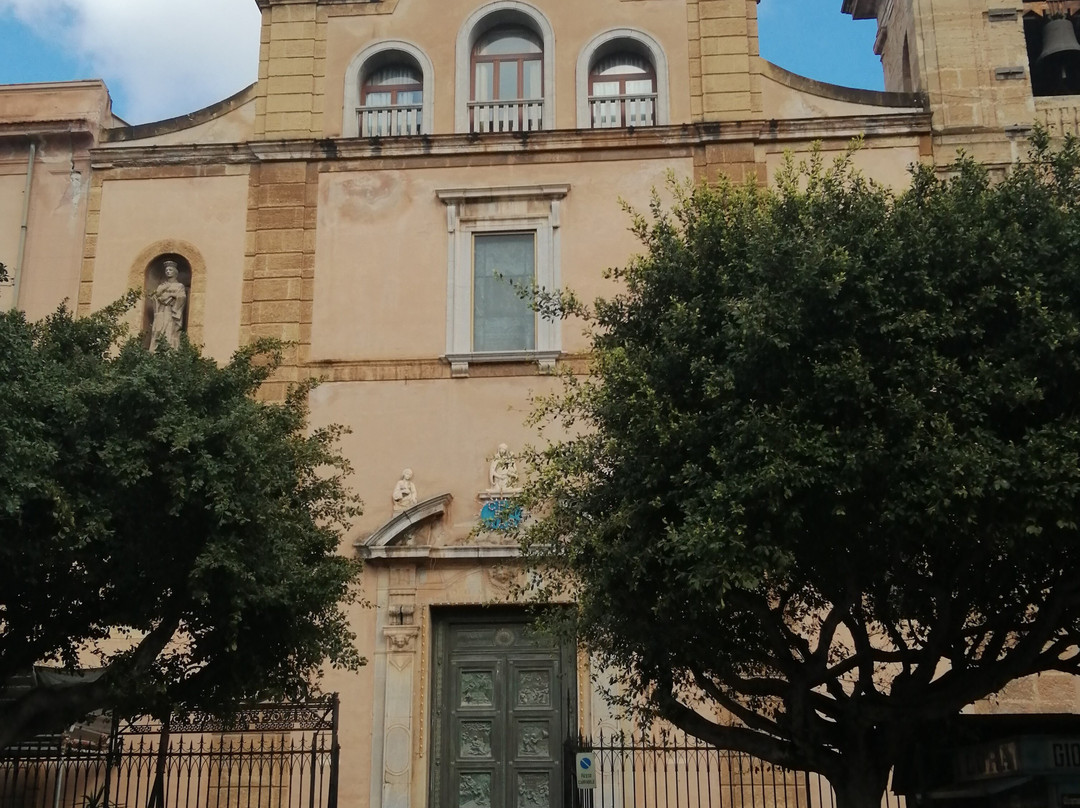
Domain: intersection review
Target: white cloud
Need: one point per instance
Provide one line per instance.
(163, 57)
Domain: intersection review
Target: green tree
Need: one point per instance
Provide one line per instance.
(824, 478)
(160, 522)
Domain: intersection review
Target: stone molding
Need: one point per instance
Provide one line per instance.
(458, 552)
(401, 639)
(351, 154)
(401, 522)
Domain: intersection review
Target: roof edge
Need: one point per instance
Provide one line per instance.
(860, 9)
(838, 92)
(181, 122)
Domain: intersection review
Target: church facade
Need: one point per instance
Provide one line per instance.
(366, 199)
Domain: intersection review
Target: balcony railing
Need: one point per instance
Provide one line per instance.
(390, 121)
(522, 115)
(617, 111)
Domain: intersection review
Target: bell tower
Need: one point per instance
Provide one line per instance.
(971, 60)
(1053, 50)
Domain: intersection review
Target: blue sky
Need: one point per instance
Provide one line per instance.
(162, 58)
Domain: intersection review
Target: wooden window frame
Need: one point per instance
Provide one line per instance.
(366, 87)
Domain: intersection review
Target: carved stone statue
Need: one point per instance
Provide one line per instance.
(502, 474)
(169, 300)
(404, 492)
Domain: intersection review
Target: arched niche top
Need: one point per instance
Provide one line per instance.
(151, 259)
(482, 20)
(393, 529)
(377, 54)
(611, 41)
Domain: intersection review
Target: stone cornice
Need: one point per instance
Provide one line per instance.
(455, 552)
(44, 129)
(612, 143)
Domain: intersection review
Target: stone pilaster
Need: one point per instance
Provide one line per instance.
(279, 265)
(90, 239)
(401, 664)
(292, 70)
(723, 49)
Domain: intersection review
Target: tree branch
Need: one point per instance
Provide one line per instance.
(54, 709)
(747, 716)
(767, 747)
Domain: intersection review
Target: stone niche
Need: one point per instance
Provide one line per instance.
(154, 276)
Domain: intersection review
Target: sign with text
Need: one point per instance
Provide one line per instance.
(586, 770)
(1020, 755)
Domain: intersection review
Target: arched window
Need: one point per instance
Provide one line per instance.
(388, 91)
(391, 99)
(507, 80)
(622, 91)
(622, 81)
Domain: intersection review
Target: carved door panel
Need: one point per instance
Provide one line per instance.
(502, 693)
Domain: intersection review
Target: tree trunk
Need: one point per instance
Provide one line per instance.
(861, 785)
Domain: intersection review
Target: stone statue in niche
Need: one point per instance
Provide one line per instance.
(169, 300)
(404, 492)
(502, 474)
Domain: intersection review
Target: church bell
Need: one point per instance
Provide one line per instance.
(1059, 42)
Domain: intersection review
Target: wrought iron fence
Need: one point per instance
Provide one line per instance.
(269, 756)
(676, 771)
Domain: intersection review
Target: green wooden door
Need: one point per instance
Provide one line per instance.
(502, 695)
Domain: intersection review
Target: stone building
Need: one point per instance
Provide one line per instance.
(364, 199)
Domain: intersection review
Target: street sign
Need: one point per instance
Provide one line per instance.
(586, 770)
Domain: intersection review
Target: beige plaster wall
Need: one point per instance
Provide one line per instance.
(57, 215)
(381, 249)
(55, 229)
(445, 430)
(436, 35)
(209, 213)
(886, 160)
(12, 183)
(357, 693)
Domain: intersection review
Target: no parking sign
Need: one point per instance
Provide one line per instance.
(586, 770)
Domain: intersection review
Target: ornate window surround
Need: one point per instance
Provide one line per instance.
(529, 208)
(487, 16)
(644, 42)
(350, 126)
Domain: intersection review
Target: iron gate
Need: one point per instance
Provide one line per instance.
(674, 770)
(266, 756)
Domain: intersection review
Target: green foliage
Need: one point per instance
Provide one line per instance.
(96, 799)
(831, 441)
(154, 512)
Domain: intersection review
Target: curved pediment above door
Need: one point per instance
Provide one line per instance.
(396, 530)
